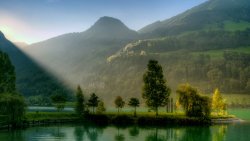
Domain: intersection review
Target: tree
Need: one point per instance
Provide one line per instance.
(155, 90)
(80, 106)
(59, 101)
(119, 103)
(134, 102)
(13, 106)
(218, 103)
(7, 75)
(100, 108)
(194, 104)
(93, 101)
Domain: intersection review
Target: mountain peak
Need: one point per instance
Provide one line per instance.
(108, 27)
(2, 35)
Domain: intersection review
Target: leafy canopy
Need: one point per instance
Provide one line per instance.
(155, 90)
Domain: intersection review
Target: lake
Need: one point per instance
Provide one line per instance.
(86, 132)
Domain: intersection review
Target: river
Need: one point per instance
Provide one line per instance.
(85, 132)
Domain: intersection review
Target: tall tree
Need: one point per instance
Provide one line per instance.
(134, 102)
(218, 103)
(12, 104)
(7, 74)
(119, 103)
(93, 101)
(80, 106)
(155, 90)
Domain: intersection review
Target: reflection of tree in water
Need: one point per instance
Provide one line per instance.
(79, 133)
(118, 136)
(155, 136)
(93, 132)
(134, 131)
(220, 133)
(196, 134)
(58, 133)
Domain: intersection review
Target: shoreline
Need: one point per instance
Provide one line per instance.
(121, 120)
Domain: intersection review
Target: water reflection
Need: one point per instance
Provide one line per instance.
(88, 132)
(134, 131)
(155, 136)
(79, 133)
(119, 136)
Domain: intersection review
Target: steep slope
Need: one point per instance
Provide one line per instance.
(207, 46)
(31, 79)
(211, 15)
(78, 58)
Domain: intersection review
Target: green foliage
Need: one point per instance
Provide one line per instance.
(193, 104)
(101, 107)
(12, 105)
(38, 100)
(80, 106)
(134, 102)
(155, 90)
(93, 101)
(59, 101)
(7, 74)
(119, 103)
(218, 103)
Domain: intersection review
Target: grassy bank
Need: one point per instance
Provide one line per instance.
(50, 115)
(125, 118)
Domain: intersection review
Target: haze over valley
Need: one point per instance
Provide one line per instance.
(207, 46)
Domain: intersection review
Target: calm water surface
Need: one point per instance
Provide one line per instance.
(230, 132)
(86, 132)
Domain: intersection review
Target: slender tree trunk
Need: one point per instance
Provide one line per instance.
(93, 109)
(135, 112)
(156, 110)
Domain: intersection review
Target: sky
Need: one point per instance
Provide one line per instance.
(32, 21)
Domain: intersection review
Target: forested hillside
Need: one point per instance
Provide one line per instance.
(207, 46)
(31, 79)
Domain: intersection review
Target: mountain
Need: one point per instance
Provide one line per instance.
(78, 58)
(112, 27)
(207, 46)
(31, 79)
(211, 15)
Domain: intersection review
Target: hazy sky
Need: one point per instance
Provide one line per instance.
(35, 20)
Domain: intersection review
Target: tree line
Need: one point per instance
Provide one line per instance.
(157, 94)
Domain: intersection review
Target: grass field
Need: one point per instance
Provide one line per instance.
(218, 54)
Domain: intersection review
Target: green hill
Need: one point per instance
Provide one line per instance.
(211, 15)
(205, 46)
(31, 79)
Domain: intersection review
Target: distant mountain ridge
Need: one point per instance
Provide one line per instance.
(81, 58)
(211, 15)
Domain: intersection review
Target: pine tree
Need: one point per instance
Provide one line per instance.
(155, 90)
(80, 106)
(93, 101)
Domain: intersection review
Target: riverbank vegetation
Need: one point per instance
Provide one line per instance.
(196, 108)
